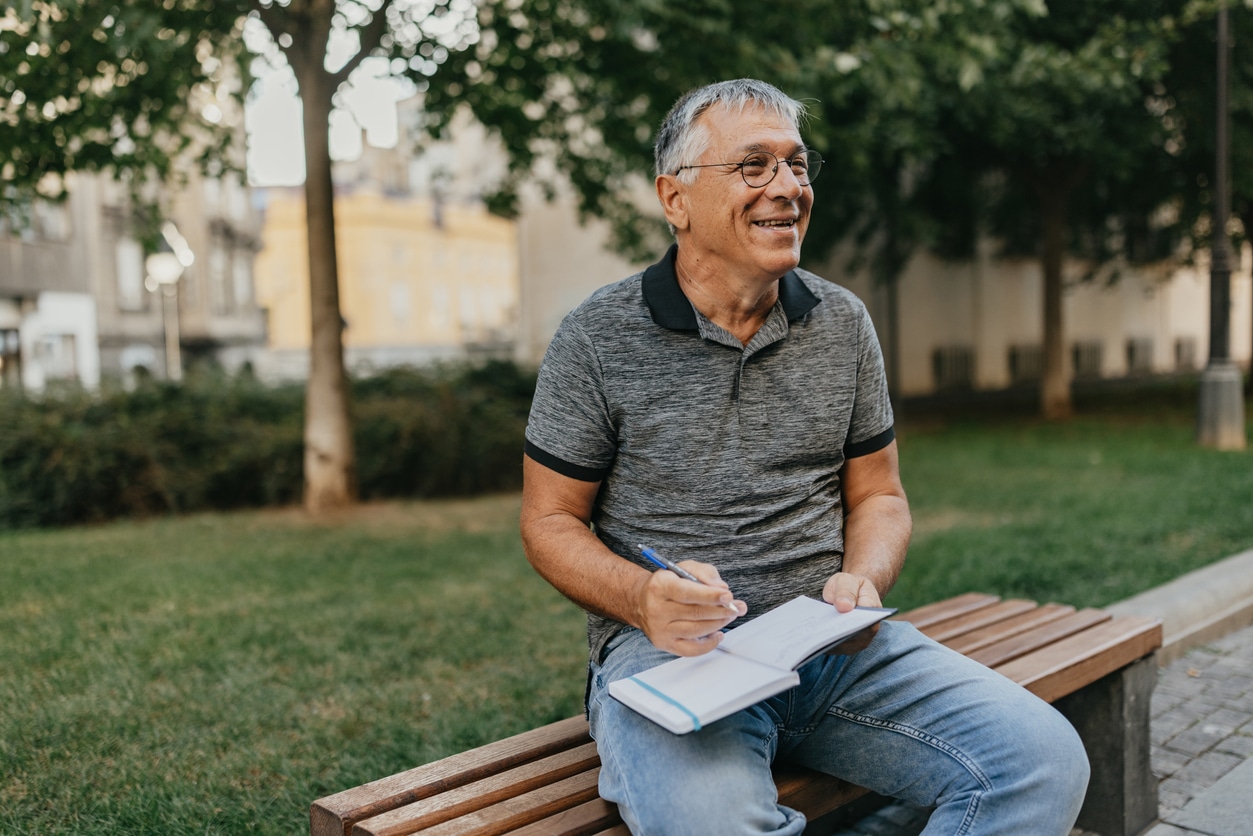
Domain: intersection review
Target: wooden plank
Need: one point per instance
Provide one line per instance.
(1010, 627)
(584, 820)
(813, 793)
(929, 614)
(335, 814)
(620, 830)
(450, 804)
(1068, 665)
(512, 813)
(1030, 641)
(951, 628)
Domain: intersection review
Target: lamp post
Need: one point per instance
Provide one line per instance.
(1220, 418)
(165, 267)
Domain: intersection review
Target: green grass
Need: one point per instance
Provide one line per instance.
(1087, 512)
(216, 673)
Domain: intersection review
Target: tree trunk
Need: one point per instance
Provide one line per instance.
(330, 460)
(1053, 187)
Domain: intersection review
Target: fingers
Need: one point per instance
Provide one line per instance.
(845, 591)
(685, 617)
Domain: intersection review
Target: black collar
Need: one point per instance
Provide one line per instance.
(671, 309)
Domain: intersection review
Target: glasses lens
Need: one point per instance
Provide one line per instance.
(758, 168)
(811, 162)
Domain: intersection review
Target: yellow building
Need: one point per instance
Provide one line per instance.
(418, 281)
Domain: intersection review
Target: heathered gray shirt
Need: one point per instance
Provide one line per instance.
(708, 449)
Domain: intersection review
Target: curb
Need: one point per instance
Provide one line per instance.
(1198, 607)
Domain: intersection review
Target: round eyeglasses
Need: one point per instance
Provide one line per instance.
(760, 167)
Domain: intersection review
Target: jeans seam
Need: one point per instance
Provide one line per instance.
(935, 743)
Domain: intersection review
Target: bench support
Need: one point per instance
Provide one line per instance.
(1112, 717)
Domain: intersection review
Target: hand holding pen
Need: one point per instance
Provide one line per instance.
(665, 563)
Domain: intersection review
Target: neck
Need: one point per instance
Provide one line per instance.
(740, 306)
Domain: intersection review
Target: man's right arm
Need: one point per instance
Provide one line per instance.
(678, 616)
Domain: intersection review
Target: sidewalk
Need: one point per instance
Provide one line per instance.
(1202, 733)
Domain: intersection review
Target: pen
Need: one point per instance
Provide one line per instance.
(666, 563)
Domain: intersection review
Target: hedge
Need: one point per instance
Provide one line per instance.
(218, 442)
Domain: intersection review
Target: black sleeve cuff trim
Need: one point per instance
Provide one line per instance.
(871, 445)
(565, 468)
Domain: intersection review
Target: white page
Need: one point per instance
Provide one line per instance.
(708, 687)
(791, 633)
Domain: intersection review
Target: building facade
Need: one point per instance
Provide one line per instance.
(76, 304)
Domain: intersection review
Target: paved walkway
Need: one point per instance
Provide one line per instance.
(1202, 734)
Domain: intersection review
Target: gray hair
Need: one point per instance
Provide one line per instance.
(681, 141)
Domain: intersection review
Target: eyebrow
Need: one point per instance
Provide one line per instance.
(798, 148)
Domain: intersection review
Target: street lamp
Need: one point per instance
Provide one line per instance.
(165, 267)
(1220, 418)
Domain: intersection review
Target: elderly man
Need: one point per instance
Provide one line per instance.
(730, 410)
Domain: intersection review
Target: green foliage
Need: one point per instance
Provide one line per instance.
(216, 442)
(128, 88)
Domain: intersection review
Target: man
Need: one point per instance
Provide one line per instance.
(730, 410)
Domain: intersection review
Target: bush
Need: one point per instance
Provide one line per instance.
(217, 442)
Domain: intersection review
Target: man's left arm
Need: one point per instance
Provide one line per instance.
(877, 527)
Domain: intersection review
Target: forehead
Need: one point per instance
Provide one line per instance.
(753, 128)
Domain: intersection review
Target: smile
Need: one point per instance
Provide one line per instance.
(780, 224)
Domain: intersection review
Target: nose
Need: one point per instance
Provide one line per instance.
(785, 183)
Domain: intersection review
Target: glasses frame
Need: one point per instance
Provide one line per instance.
(813, 162)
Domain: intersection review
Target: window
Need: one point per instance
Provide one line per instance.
(10, 357)
(1087, 355)
(1139, 355)
(1026, 363)
(1185, 354)
(953, 367)
(129, 266)
(56, 356)
(242, 276)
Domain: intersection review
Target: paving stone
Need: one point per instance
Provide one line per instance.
(1240, 745)
(1166, 763)
(1173, 793)
(1170, 724)
(1207, 769)
(1193, 740)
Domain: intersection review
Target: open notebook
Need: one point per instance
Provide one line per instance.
(754, 661)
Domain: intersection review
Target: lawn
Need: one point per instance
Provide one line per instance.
(215, 673)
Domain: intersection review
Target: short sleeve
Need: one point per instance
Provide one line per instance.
(569, 429)
(871, 428)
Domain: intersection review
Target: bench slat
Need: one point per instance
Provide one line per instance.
(929, 614)
(334, 815)
(1066, 666)
(998, 653)
(486, 791)
(950, 628)
(813, 793)
(512, 813)
(589, 818)
(978, 639)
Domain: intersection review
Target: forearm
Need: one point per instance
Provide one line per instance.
(876, 538)
(565, 552)
(677, 615)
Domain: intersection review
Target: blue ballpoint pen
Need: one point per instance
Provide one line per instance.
(665, 563)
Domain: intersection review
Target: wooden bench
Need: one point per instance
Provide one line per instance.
(1097, 669)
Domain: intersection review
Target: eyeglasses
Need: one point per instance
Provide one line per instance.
(760, 167)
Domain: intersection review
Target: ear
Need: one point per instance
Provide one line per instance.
(673, 198)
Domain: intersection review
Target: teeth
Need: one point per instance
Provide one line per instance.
(775, 223)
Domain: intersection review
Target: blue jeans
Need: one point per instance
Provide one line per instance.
(906, 717)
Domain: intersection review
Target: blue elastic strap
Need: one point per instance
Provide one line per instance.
(650, 689)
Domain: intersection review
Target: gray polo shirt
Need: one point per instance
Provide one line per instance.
(708, 449)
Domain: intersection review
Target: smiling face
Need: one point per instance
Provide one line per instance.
(722, 224)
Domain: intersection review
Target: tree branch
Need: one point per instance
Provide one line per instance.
(370, 36)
